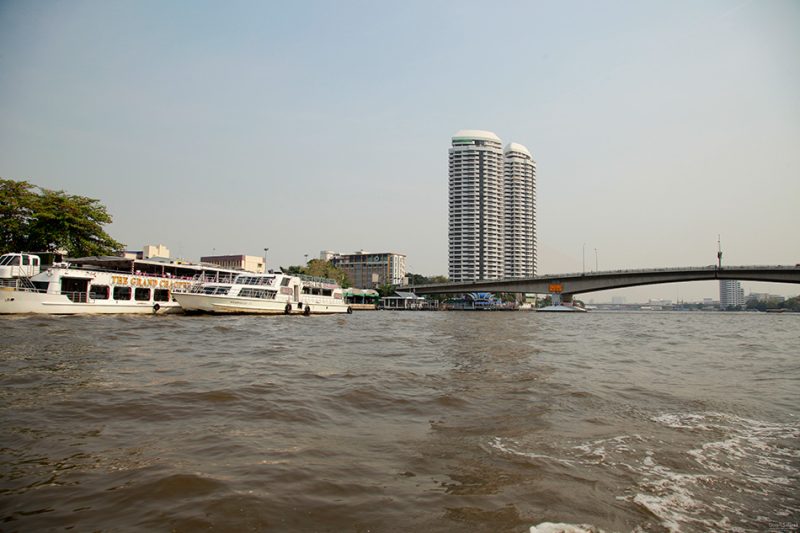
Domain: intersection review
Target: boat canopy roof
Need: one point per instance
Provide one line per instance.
(110, 262)
(367, 293)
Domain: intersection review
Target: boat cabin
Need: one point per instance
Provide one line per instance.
(19, 265)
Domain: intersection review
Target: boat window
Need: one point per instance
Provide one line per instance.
(306, 290)
(35, 261)
(326, 292)
(41, 285)
(254, 280)
(122, 293)
(141, 295)
(216, 289)
(161, 295)
(247, 292)
(99, 292)
(25, 260)
(285, 282)
(12, 260)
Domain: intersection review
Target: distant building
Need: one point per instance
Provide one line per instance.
(368, 270)
(519, 202)
(250, 263)
(765, 297)
(731, 294)
(659, 304)
(475, 231)
(492, 213)
(158, 250)
(148, 251)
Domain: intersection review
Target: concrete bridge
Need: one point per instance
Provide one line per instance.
(566, 285)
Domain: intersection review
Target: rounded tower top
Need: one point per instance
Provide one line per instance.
(516, 147)
(476, 135)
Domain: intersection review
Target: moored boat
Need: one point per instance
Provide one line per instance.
(273, 293)
(98, 285)
(561, 309)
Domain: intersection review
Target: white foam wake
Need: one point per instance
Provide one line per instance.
(551, 527)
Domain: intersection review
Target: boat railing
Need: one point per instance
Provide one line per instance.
(76, 297)
(196, 286)
(9, 282)
(306, 277)
(208, 277)
(19, 284)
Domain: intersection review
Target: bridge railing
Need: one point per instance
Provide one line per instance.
(667, 270)
(648, 271)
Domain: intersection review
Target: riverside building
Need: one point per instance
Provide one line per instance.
(731, 294)
(492, 196)
(369, 270)
(250, 263)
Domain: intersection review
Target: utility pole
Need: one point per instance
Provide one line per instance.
(584, 258)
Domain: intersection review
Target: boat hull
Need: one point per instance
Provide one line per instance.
(14, 301)
(217, 304)
(560, 309)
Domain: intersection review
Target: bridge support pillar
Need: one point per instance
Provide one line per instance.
(558, 298)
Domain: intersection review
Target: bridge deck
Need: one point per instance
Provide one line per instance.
(577, 283)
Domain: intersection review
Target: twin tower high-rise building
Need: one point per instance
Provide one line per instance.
(492, 231)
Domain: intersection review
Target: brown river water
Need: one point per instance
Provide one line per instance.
(401, 421)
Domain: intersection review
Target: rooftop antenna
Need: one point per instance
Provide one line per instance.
(719, 253)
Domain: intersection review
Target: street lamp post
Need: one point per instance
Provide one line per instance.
(265, 259)
(584, 258)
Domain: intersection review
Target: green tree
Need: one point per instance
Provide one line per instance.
(320, 269)
(387, 289)
(17, 205)
(293, 270)
(755, 304)
(792, 304)
(42, 220)
(329, 271)
(416, 279)
(419, 279)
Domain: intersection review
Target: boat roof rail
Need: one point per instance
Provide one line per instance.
(306, 277)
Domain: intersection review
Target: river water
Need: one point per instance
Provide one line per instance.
(401, 421)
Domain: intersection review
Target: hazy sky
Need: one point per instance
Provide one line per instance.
(302, 126)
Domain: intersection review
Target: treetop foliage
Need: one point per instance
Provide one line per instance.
(35, 219)
(321, 269)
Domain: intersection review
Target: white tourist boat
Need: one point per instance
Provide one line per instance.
(98, 285)
(273, 293)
